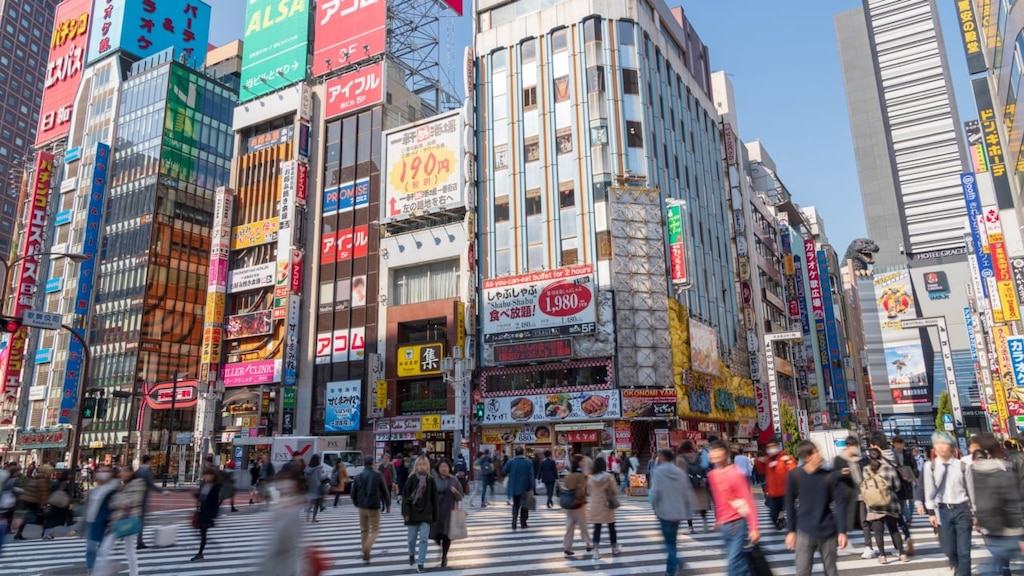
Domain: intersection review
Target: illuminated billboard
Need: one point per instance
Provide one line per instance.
(276, 36)
(63, 69)
(347, 32)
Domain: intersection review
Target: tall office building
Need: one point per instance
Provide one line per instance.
(26, 34)
(910, 154)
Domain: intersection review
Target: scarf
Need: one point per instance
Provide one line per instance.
(421, 487)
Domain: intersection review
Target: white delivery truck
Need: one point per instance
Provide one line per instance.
(331, 450)
(829, 443)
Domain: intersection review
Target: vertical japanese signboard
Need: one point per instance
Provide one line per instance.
(971, 37)
(974, 214)
(145, 27)
(993, 147)
(1001, 335)
(276, 37)
(63, 69)
(217, 283)
(835, 355)
(26, 278)
(677, 250)
(1008, 306)
(348, 32)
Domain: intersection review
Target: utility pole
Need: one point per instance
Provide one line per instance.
(170, 430)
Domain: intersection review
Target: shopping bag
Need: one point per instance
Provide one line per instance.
(530, 501)
(757, 561)
(457, 524)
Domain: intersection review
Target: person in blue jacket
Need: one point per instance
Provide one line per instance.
(97, 513)
(519, 472)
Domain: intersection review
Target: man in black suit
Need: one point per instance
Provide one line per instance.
(549, 475)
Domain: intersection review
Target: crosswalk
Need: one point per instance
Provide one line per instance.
(240, 541)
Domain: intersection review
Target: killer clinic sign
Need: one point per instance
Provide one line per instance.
(63, 69)
(27, 279)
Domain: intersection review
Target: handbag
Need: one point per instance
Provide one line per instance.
(756, 561)
(59, 499)
(613, 499)
(530, 501)
(128, 526)
(457, 529)
(567, 498)
(195, 519)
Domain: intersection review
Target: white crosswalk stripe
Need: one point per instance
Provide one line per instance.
(238, 541)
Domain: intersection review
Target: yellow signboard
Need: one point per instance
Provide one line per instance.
(1008, 299)
(419, 359)
(1001, 334)
(430, 423)
(214, 308)
(460, 327)
(382, 394)
(254, 234)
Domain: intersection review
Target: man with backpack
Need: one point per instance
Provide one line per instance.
(812, 526)
(775, 466)
(691, 463)
(907, 479)
(947, 502)
(486, 466)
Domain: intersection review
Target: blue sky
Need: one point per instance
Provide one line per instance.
(783, 61)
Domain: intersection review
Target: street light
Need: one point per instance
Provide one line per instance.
(76, 257)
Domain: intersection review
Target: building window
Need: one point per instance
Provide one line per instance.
(634, 134)
(630, 81)
(501, 213)
(528, 50)
(534, 205)
(627, 36)
(559, 41)
(530, 98)
(592, 30)
(424, 283)
(531, 148)
(595, 79)
(563, 140)
(566, 195)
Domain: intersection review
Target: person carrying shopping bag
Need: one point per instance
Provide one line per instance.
(419, 510)
(449, 494)
(125, 523)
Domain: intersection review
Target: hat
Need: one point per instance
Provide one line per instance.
(944, 437)
(368, 460)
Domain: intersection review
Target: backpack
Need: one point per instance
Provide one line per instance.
(486, 467)
(696, 472)
(875, 490)
(907, 481)
(567, 499)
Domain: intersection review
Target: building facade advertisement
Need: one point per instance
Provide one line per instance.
(424, 167)
(259, 276)
(254, 233)
(419, 359)
(27, 279)
(346, 345)
(63, 69)
(1006, 380)
(835, 354)
(217, 284)
(1009, 309)
(540, 305)
(704, 355)
(343, 404)
(145, 27)
(355, 90)
(970, 34)
(246, 325)
(974, 215)
(302, 184)
(539, 351)
(348, 32)
(993, 148)
(659, 404)
(275, 137)
(1017, 271)
(1015, 345)
(346, 197)
(555, 407)
(291, 341)
(773, 397)
(936, 284)
(252, 373)
(275, 46)
(676, 247)
(344, 245)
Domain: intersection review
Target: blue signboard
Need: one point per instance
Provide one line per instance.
(72, 154)
(343, 406)
(304, 141)
(1016, 346)
(801, 297)
(330, 201)
(974, 212)
(86, 270)
(145, 27)
(835, 355)
(969, 323)
(362, 193)
(43, 355)
(63, 217)
(54, 285)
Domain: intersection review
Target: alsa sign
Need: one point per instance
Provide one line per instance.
(63, 69)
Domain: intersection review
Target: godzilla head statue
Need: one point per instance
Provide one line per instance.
(862, 253)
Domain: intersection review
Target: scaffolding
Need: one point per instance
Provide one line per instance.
(415, 46)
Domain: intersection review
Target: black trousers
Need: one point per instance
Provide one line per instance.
(519, 510)
(549, 489)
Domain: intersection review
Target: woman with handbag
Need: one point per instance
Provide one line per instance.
(449, 494)
(58, 509)
(208, 506)
(604, 499)
(125, 521)
(419, 510)
(574, 500)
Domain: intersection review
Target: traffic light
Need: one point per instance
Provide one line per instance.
(10, 325)
(479, 411)
(88, 408)
(101, 408)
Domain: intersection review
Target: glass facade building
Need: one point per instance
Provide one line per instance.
(174, 147)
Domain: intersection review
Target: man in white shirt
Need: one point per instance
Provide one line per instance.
(947, 502)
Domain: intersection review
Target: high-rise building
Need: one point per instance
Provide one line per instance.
(26, 34)
(910, 153)
(606, 251)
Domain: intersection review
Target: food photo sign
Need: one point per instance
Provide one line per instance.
(559, 407)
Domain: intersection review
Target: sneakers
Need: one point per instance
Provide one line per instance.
(868, 553)
(616, 549)
(596, 554)
(569, 553)
(904, 558)
(419, 568)
(197, 557)
(882, 559)
(412, 560)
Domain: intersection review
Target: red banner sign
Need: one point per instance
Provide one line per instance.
(159, 396)
(533, 351)
(63, 69)
(344, 245)
(582, 436)
(347, 32)
(356, 90)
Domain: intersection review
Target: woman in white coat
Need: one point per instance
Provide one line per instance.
(604, 499)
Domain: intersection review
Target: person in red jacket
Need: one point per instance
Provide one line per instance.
(775, 467)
